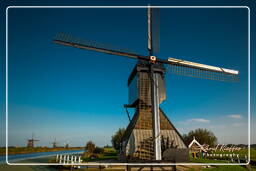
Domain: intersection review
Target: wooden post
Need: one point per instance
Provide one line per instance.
(174, 167)
(128, 168)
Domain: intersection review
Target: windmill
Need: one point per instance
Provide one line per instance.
(31, 142)
(54, 143)
(66, 144)
(150, 133)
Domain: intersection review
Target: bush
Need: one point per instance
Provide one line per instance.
(98, 150)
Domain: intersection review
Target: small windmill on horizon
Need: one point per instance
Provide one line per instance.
(150, 135)
(66, 144)
(54, 143)
(31, 142)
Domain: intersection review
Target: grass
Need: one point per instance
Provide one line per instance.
(218, 167)
(109, 153)
(99, 158)
(109, 150)
(25, 150)
(241, 153)
(226, 168)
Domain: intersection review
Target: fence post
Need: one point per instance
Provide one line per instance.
(68, 159)
(72, 159)
(79, 161)
(60, 159)
(64, 159)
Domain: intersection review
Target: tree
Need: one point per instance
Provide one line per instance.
(98, 150)
(116, 138)
(90, 147)
(203, 136)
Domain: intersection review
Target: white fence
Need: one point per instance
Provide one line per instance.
(68, 159)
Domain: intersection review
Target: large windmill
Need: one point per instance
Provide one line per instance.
(31, 142)
(150, 135)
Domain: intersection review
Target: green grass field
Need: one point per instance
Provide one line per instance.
(109, 153)
(241, 153)
(218, 167)
(24, 150)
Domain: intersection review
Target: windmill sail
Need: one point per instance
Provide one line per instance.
(68, 40)
(153, 30)
(192, 69)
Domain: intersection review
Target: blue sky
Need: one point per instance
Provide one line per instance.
(76, 95)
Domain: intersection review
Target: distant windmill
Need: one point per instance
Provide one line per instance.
(150, 133)
(31, 142)
(54, 143)
(66, 144)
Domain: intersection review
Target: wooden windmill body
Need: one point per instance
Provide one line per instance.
(138, 142)
(150, 135)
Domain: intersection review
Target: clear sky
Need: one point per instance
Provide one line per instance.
(76, 95)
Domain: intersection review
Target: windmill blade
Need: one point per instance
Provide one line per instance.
(69, 40)
(33, 137)
(153, 30)
(186, 68)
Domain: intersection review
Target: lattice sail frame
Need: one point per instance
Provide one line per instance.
(192, 69)
(173, 65)
(201, 73)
